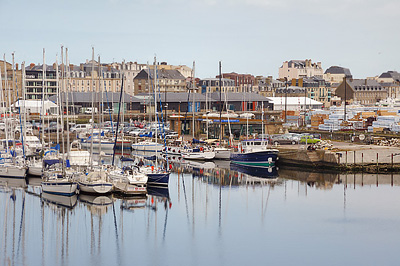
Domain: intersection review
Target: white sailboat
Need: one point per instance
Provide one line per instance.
(95, 180)
(59, 179)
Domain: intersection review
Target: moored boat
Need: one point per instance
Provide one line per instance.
(254, 152)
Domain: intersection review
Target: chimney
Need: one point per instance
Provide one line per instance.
(82, 68)
(71, 67)
(109, 68)
(16, 66)
(54, 66)
(32, 65)
(319, 64)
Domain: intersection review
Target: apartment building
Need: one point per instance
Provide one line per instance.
(243, 82)
(335, 74)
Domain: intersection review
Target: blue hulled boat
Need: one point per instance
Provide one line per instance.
(254, 153)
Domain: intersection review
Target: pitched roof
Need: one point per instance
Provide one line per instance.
(161, 74)
(338, 70)
(86, 97)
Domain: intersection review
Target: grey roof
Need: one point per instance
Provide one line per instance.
(86, 97)
(161, 74)
(338, 70)
(360, 83)
(40, 68)
(391, 74)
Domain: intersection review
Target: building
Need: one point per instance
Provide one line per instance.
(317, 89)
(294, 103)
(129, 70)
(267, 86)
(213, 84)
(295, 69)
(335, 74)
(243, 82)
(80, 77)
(40, 81)
(167, 80)
(290, 91)
(364, 91)
(10, 90)
(389, 76)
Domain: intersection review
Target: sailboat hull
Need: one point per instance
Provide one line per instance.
(14, 171)
(222, 153)
(95, 188)
(64, 188)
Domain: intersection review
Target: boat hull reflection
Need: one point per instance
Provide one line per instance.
(263, 172)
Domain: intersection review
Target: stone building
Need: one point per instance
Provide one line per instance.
(168, 81)
(364, 91)
(9, 87)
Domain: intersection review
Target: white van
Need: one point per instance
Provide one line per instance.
(90, 110)
(81, 128)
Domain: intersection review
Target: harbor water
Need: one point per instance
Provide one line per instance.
(211, 214)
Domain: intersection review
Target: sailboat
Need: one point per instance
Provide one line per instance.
(196, 153)
(95, 179)
(126, 180)
(59, 177)
(157, 176)
(10, 164)
(221, 152)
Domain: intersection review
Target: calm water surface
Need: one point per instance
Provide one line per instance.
(210, 215)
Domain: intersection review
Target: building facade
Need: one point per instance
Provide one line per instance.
(11, 83)
(213, 84)
(364, 91)
(335, 74)
(167, 80)
(295, 69)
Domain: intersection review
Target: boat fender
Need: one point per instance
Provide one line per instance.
(152, 168)
(201, 148)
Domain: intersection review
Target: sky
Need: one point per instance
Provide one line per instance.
(248, 36)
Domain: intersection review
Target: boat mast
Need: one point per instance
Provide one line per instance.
(100, 105)
(4, 103)
(155, 106)
(43, 73)
(62, 103)
(92, 123)
(13, 79)
(193, 102)
(220, 105)
(57, 98)
(67, 100)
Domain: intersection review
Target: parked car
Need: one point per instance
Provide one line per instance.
(282, 140)
(309, 139)
(81, 128)
(53, 127)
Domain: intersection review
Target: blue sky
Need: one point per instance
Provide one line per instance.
(252, 36)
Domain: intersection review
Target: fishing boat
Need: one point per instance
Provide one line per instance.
(254, 152)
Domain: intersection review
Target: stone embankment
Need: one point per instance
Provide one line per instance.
(342, 156)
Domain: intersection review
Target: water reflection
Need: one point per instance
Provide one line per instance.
(212, 208)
